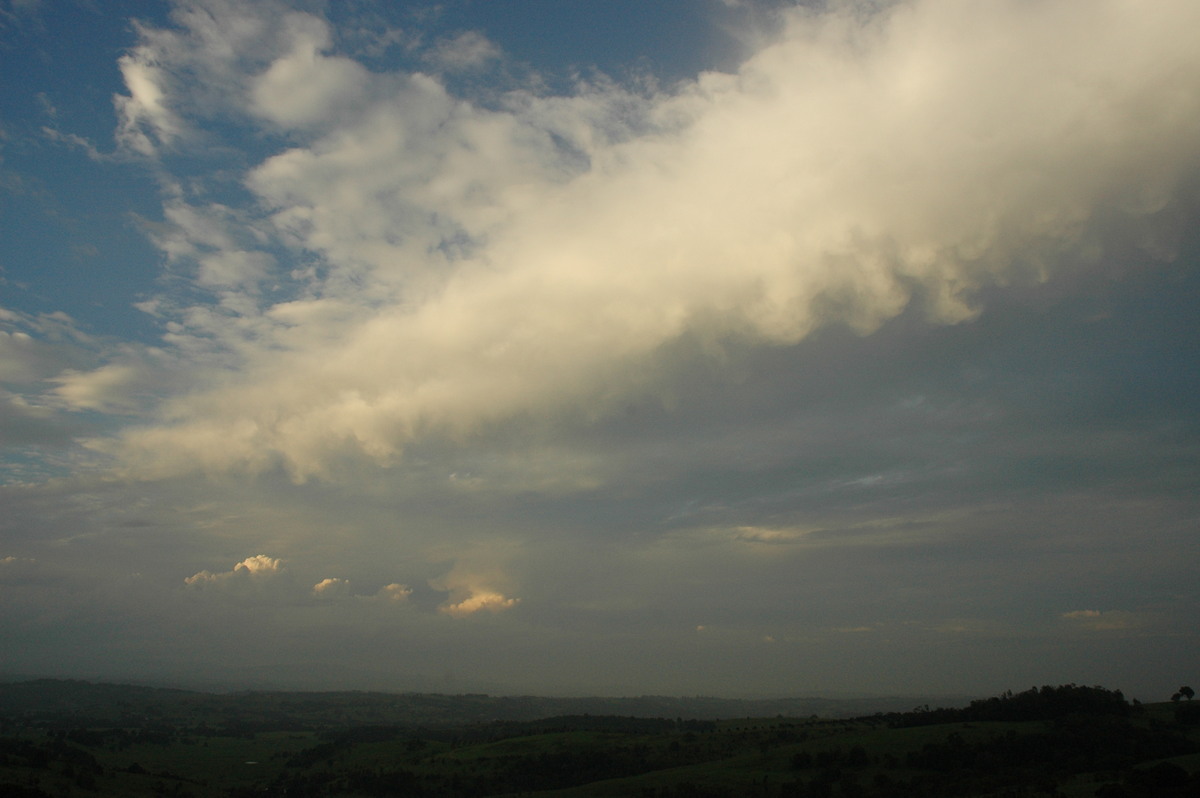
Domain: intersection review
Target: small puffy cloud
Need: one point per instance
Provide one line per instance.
(16, 569)
(331, 588)
(305, 86)
(394, 592)
(258, 567)
(484, 600)
(477, 583)
(260, 564)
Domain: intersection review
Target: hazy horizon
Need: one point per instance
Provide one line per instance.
(199, 685)
(695, 347)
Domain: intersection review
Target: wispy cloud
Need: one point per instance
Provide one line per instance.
(466, 51)
(1105, 620)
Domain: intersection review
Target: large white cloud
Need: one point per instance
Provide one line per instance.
(455, 265)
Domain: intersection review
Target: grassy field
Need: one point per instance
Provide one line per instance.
(1061, 741)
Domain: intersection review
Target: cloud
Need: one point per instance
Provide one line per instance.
(250, 570)
(21, 14)
(304, 86)
(331, 588)
(750, 534)
(33, 347)
(474, 265)
(75, 141)
(146, 121)
(484, 600)
(19, 570)
(16, 361)
(817, 347)
(476, 581)
(215, 60)
(466, 51)
(217, 247)
(259, 564)
(112, 388)
(39, 356)
(1106, 620)
(263, 577)
(394, 592)
(23, 423)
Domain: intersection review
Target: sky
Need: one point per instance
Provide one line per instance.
(696, 347)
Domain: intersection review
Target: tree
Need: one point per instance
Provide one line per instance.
(1187, 692)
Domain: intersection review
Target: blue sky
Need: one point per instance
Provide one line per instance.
(735, 348)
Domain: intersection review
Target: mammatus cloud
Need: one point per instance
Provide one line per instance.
(450, 265)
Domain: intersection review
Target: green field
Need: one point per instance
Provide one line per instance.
(73, 739)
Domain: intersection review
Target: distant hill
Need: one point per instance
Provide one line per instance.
(74, 739)
(100, 703)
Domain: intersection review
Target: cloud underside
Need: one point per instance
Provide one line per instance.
(415, 263)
